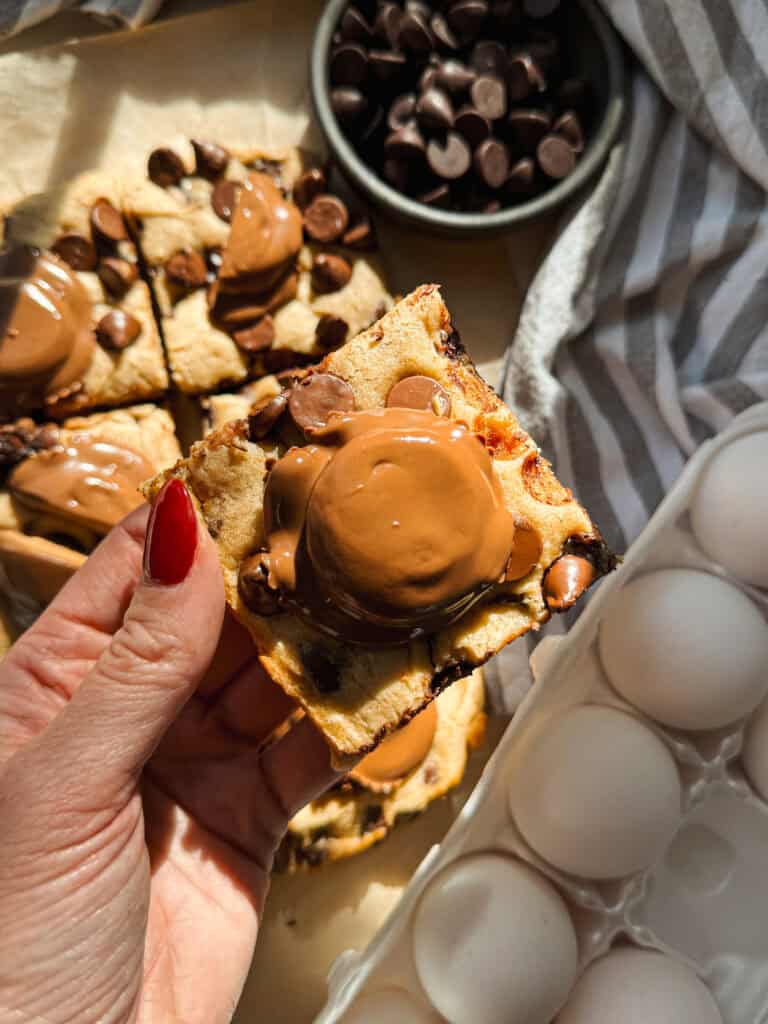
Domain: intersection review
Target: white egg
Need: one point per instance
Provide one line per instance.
(755, 751)
(729, 510)
(598, 794)
(493, 941)
(639, 986)
(687, 648)
(387, 1006)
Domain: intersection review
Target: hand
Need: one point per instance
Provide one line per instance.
(140, 808)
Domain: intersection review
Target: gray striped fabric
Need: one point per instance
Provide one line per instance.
(16, 15)
(645, 330)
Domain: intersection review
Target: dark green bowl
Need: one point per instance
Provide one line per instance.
(596, 55)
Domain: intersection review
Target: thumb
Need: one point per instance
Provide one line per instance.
(154, 661)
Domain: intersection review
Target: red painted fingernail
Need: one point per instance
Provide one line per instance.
(169, 549)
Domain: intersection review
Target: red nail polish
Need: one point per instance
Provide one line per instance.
(169, 548)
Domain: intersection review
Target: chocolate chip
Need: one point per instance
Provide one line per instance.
(566, 580)
(398, 173)
(527, 127)
(466, 18)
(276, 360)
(12, 449)
(489, 57)
(348, 104)
(326, 219)
(443, 33)
(224, 198)
(489, 96)
(454, 77)
(254, 589)
(407, 143)
(401, 111)
(450, 158)
(210, 159)
(439, 197)
(540, 8)
(419, 7)
(257, 337)
(573, 93)
(330, 273)
(165, 167)
(264, 415)
(322, 669)
(524, 76)
(387, 24)
(117, 330)
(506, 14)
(491, 161)
(526, 550)
(313, 399)
(386, 65)
(117, 275)
(420, 392)
(331, 331)
(187, 269)
(373, 818)
(427, 78)
(107, 222)
(434, 111)
(349, 65)
(414, 34)
(521, 177)
(354, 27)
(472, 125)
(569, 126)
(44, 437)
(360, 235)
(235, 310)
(75, 250)
(556, 157)
(308, 185)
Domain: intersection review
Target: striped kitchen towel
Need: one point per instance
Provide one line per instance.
(16, 15)
(646, 329)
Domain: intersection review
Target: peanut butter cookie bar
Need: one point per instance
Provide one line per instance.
(407, 772)
(76, 320)
(255, 265)
(385, 526)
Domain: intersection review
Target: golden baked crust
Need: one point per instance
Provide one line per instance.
(137, 372)
(202, 357)
(374, 690)
(351, 818)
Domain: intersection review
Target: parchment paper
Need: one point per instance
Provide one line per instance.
(238, 74)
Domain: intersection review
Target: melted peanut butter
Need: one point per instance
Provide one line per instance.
(398, 754)
(87, 480)
(46, 332)
(390, 525)
(265, 237)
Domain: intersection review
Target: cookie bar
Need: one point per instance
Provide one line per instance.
(255, 266)
(64, 486)
(76, 318)
(407, 772)
(385, 526)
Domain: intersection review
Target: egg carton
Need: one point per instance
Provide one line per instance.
(703, 898)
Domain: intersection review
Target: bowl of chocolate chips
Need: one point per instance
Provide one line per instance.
(467, 117)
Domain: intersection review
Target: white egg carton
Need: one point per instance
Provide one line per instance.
(704, 899)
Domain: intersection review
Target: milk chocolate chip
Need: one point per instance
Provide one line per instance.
(556, 156)
(313, 399)
(117, 275)
(76, 251)
(165, 167)
(526, 550)
(265, 414)
(308, 186)
(210, 159)
(420, 392)
(326, 219)
(117, 330)
(224, 199)
(566, 580)
(107, 222)
(330, 273)
(253, 587)
(360, 235)
(187, 268)
(258, 337)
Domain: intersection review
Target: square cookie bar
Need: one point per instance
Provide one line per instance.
(64, 486)
(76, 318)
(254, 265)
(385, 526)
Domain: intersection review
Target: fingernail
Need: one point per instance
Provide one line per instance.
(169, 548)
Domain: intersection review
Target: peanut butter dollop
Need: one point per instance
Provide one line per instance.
(391, 524)
(46, 330)
(399, 753)
(91, 481)
(264, 239)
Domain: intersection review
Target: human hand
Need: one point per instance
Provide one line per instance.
(139, 808)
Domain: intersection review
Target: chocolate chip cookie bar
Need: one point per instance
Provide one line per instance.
(385, 526)
(64, 486)
(75, 318)
(256, 266)
(407, 772)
